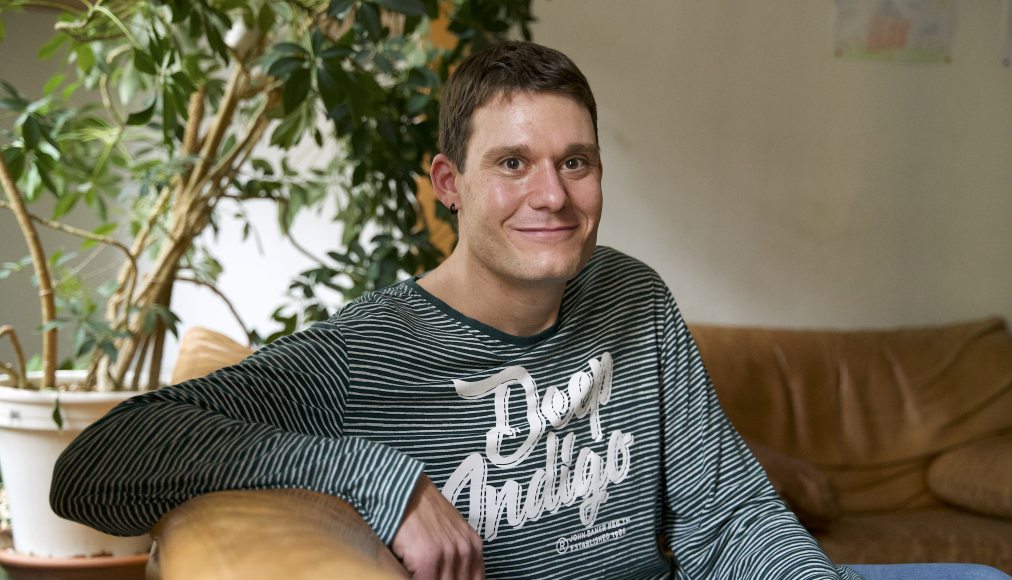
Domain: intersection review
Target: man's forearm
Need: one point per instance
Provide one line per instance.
(122, 474)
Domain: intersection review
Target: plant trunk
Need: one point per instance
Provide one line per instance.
(41, 272)
(157, 350)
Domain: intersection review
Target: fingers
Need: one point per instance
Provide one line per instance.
(434, 542)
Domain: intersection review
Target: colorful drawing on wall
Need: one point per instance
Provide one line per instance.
(917, 31)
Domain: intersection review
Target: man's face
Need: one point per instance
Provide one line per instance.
(530, 196)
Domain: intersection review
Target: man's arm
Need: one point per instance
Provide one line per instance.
(722, 517)
(273, 421)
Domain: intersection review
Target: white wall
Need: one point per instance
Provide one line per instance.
(766, 180)
(771, 183)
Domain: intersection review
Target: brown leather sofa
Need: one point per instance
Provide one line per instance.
(892, 446)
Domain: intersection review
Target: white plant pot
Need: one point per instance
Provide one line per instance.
(30, 443)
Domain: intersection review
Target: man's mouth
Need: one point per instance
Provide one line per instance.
(547, 233)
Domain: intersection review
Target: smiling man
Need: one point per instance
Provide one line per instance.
(533, 407)
(528, 197)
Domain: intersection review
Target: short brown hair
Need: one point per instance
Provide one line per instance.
(504, 69)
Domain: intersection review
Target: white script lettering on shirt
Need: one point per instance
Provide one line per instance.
(562, 480)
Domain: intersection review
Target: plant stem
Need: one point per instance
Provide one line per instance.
(49, 308)
(228, 303)
(20, 378)
(129, 283)
(158, 348)
(233, 91)
(85, 234)
(190, 213)
(41, 272)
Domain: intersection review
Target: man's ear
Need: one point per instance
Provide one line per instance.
(444, 174)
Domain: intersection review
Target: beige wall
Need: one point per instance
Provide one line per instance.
(25, 33)
(771, 183)
(768, 182)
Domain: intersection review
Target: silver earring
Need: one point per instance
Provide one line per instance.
(453, 209)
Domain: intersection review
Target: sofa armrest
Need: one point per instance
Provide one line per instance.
(976, 477)
(285, 533)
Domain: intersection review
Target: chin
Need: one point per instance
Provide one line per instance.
(557, 270)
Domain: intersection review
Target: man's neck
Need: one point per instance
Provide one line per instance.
(517, 309)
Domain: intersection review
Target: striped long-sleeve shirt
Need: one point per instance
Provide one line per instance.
(569, 451)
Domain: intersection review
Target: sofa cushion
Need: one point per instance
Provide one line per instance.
(940, 534)
(976, 477)
(869, 407)
(202, 351)
(804, 488)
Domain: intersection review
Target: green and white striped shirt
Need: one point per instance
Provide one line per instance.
(569, 451)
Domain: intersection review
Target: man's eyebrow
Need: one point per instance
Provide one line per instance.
(589, 149)
(492, 156)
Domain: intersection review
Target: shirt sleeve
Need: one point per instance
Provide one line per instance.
(274, 420)
(722, 518)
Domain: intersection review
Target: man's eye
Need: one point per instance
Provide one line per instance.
(574, 164)
(513, 164)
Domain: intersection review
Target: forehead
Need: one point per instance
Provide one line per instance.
(532, 118)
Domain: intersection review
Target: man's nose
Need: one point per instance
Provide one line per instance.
(548, 192)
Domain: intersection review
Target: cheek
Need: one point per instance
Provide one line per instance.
(590, 201)
(500, 199)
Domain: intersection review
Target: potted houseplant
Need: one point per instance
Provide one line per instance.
(191, 109)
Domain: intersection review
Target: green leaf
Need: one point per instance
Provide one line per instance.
(156, 49)
(33, 184)
(31, 131)
(266, 18)
(11, 91)
(110, 350)
(338, 8)
(284, 66)
(85, 345)
(105, 229)
(47, 179)
(369, 17)
(316, 41)
(417, 103)
(332, 83)
(169, 121)
(290, 49)
(58, 414)
(296, 89)
(142, 117)
(50, 48)
(215, 39)
(180, 10)
(335, 54)
(53, 325)
(12, 104)
(144, 63)
(69, 90)
(422, 76)
(53, 83)
(1, 30)
(287, 132)
(263, 166)
(65, 204)
(408, 7)
(15, 159)
(102, 230)
(85, 57)
(184, 85)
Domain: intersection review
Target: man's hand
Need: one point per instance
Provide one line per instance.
(434, 541)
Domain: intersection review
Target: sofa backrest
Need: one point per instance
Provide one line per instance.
(871, 408)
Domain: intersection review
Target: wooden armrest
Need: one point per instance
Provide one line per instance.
(284, 533)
